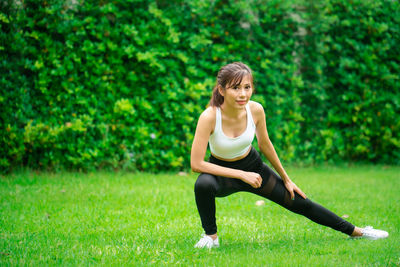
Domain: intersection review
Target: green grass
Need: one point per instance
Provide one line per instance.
(143, 219)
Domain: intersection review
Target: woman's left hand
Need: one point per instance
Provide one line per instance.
(292, 187)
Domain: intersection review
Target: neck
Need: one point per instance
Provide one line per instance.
(231, 111)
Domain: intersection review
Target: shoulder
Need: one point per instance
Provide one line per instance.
(208, 114)
(257, 110)
(207, 118)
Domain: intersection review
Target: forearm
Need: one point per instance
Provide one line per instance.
(269, 152)
(214, 169)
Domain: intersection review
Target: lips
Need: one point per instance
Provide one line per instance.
(241, 102)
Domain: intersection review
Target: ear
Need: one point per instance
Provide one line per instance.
(221, 90)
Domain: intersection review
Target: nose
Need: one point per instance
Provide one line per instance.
(242, 92)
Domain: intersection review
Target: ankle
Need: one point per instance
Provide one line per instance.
(357, 232)
(214, 236)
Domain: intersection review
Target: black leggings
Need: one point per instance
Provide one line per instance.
(209, 186)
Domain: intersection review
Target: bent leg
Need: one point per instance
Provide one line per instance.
(206, 188)
(274, 189)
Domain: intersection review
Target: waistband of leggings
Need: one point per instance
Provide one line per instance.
(253, 155)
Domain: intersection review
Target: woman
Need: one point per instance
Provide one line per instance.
(228, 125)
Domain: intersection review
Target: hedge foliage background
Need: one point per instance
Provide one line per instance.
(120, 84)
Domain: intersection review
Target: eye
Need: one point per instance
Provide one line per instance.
(235, 87)
(248, 87)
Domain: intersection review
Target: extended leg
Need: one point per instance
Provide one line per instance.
(274, 189)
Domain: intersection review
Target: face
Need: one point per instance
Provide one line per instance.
(237, 96)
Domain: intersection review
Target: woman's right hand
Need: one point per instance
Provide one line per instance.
(251, 178)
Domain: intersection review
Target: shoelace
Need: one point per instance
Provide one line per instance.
(205, 241)
(366, 228)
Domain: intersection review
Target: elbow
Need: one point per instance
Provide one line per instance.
(264, 144)
(195, 166)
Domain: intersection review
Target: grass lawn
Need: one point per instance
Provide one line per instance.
(143, 219)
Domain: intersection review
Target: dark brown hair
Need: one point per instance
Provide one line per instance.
(229, 75)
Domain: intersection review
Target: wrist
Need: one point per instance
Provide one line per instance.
(285, 178)
(241, 174)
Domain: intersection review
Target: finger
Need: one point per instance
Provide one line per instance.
(291, 194)
(301, 193)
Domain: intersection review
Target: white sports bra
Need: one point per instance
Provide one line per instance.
(231, 147)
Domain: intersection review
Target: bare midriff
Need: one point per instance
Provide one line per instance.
(234, 159)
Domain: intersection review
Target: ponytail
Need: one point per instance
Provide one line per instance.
(216, 99)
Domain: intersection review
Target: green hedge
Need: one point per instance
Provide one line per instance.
(351, 68)
(120, 84)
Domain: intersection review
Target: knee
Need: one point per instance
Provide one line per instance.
(307, 204)
(205, 183)
(302, 205)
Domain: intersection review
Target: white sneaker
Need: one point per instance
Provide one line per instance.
(373, 234)
(207, 242)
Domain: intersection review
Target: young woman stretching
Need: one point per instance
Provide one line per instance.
(228, 125)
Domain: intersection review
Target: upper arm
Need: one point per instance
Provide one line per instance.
(258, 113)
(205, 126)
